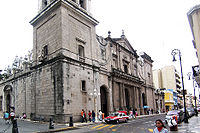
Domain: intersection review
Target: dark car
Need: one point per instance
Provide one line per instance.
(198, 109)
(170, 114)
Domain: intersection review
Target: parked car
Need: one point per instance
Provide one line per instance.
(191, 112)
(187, 114)
(116, 118)
(198, 109)
(170, 114)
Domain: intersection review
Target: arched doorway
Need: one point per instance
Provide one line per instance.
(127, 97)
(144, 99)
(104, 102)
(8, 102)
(8, 97)
(144, 103)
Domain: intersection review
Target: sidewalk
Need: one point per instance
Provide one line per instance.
(192, 127)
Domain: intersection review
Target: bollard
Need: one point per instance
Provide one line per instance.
(51, 125)
(15, 128)
(71, 121)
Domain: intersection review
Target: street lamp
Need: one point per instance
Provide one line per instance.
(194, 86)
(174, 52)
(95, 96)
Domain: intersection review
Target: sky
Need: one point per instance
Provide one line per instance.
(153, 26)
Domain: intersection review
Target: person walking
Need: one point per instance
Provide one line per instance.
(12, 115)
(134, 116)
(85, 116)
(160, 127)
(6, 117)
(93, 116)
(82, 115)
(100, 115)
(89, 115)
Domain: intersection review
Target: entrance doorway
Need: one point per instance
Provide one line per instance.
(127, 99)
(104, 103)
(8, 102)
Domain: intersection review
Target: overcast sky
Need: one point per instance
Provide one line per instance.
(153, 26)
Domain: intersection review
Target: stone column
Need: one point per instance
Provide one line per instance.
(89, 5)
(110, 95)
(120, 95)
(123, 97)
(85, 4)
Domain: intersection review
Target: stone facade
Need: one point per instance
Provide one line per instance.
(75, 69)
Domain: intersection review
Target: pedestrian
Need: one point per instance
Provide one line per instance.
(160, 127)
(12, 115)
(85, 116)
(100, 115)
(93, 116)
(134, 113)
(24, 116)
(6, 117)
(82, 115)
(151, 111)
(90, 115)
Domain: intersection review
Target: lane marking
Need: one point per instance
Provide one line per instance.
(150, 130)
(114, 129)
(112, 126)
(97, 126)
(102, 127)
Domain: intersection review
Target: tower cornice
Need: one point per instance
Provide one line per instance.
(78, 9)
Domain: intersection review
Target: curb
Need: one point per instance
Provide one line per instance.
(65, 129)
(58, 130)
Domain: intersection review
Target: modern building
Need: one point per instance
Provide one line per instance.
(193, 18)
(168, 79)
(72, 68)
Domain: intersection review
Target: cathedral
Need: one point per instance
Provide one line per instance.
(73, 68)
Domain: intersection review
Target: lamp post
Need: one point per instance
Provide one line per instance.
(174, 52)
(95, 96)
(194, 86)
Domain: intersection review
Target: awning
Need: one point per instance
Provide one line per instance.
(145, 107)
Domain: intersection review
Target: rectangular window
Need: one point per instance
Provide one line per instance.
(45, 50)
(81, 51)
(125, 68)
(83, 85)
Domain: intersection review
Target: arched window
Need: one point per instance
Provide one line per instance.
(82, 3)
(44, 3)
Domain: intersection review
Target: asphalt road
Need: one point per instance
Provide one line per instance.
(144, 125)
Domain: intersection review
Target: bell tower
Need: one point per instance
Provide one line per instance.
(59, 24)
(64, 46)
(85, 4)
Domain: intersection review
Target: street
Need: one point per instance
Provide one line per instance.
(139, 125)
(144, 125)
